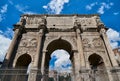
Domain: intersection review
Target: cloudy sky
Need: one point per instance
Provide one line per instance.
(10, 11)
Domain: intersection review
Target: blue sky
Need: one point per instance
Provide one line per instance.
(10, 11)
(109, 10)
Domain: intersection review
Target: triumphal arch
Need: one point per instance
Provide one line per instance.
(82, 36)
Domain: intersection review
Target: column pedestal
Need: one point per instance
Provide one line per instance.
(110, 54)
(43, 66)
(76, 67)
(80, 52)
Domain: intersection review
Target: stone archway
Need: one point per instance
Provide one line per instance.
(55, 45)
(98, 69)
(43, 34)
(22, 67)
(23, 61)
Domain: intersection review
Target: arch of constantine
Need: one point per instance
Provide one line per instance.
(82, 36)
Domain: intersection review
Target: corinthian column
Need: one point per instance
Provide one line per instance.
(34, 69)
(17, 32)
(80, 52)
(108, 47)
(80, 48)
(40, 36)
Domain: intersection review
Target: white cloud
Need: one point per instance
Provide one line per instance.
(55, 6)
(101, 10)
(8, 33)
(23, 9)
(63, 62)
(45, 7)
(5, 40)
(1, 18)
(4, 44)
(104, 6)
(116, 13)
(29, 12)
(114, 38)
(1, 32)
(10, 2)
(90, 6)
(3, 10)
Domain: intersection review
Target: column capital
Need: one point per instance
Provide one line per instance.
(17, 26)
(102, 29)
(41, 31)
(75, 51)
(78, 31)
(77, 28)
(77, 24)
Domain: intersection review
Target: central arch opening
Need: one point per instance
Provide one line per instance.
(58, 58)
(56, 45)
(60, 61)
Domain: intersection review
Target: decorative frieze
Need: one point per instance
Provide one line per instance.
(34, 20)
(87, 21)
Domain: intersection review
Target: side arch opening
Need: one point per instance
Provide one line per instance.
(21, 67)
(23, 61)
(98, 69)
(96, 61)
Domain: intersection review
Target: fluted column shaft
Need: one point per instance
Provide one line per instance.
(80, 48)
(17, 32)
(108, 47)
(80, 52)
(40, 36)
(34, 69)
(43, 62)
